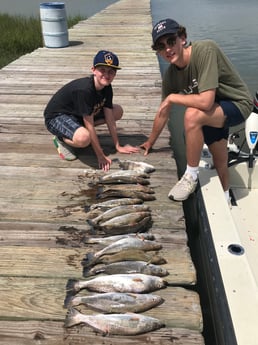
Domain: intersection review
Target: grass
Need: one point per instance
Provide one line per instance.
(21, 35)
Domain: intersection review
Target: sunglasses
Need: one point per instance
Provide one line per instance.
(170, 42)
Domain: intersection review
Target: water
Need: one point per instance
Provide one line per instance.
(232, 24)
(73, 7)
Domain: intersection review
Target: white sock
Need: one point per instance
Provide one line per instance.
(227, 194)
(193, 171)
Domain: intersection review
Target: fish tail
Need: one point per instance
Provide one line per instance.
(71, 318)
(100, 190)
(87, 272)
(68, 302)
(87, 240)
(91, 222)
(89, 260)
(72, 285)
(86, 208)
(115, 160)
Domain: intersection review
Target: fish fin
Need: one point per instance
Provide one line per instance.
(137, 279)
(70, 319)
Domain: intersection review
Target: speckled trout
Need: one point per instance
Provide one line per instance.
(135, 283)
(130, 222)
(110, 239)
(129, 187)
(124, 193)
(127, 267)
(128, 255)
(116, 302)
(116, 324)
(128, 243)
(117, 211)
(134, 165)
(120, 176)
(108, 204)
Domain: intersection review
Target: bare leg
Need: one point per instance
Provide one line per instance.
(117, 113)
(81, 136)
(194, 137)
(194, 120)
(220, 159)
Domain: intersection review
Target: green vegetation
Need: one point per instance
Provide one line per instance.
(21, 35)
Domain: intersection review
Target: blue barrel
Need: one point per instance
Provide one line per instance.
(54, 24)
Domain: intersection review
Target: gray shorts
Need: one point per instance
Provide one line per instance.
(233, 118)
(64, 126)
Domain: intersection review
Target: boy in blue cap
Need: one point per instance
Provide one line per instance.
(203, 80)
(75, 109)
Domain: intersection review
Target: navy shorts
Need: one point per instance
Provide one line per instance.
(64, 126)
(233, 118)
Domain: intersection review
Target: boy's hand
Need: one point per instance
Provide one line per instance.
(127, 149)
(104, 163)
(147, 147)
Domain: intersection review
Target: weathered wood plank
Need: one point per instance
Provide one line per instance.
(67, 236)
(43, 300)
(65, 262)
(53, 333)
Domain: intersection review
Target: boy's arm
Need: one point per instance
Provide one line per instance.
(104, 162)
(111, 124)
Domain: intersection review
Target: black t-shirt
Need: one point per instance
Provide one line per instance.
(79, 97)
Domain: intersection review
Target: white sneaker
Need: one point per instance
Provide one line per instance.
(64, 151)
(184, 187)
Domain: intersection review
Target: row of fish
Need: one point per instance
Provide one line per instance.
(120, 299)
(120, 251)
(123, 211)
(128, 263)
(123, 183)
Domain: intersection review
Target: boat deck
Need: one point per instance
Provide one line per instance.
(234, 240)
(42, 198)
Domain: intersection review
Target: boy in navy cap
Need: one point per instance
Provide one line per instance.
(74, 111)
(203, 80)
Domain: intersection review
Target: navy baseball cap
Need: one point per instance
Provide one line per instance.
(164, 27)
(106, 58)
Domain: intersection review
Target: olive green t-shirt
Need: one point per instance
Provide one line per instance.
(209, 68)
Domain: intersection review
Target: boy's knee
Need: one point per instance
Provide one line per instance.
(81, 138)
(118, 111)
(192, 118)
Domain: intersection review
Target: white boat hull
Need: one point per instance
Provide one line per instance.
(232, 237)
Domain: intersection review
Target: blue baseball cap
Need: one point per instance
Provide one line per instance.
(164, 27)
(106, 58)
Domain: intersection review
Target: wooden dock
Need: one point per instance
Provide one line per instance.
(43, 199)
